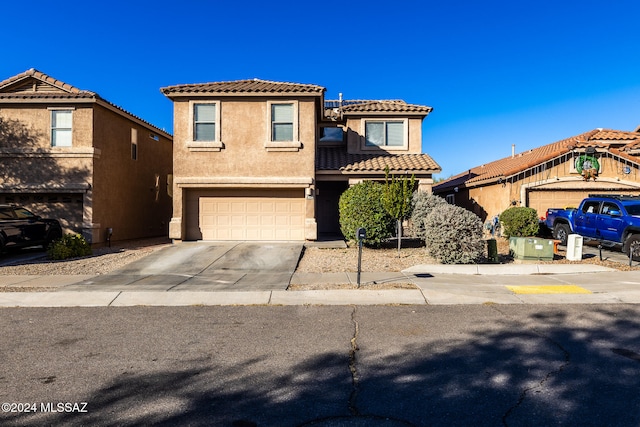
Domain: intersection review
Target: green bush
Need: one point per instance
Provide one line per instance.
(361, 206)
(423, 203)
(454, 235)
(69, 246)
(519, 221)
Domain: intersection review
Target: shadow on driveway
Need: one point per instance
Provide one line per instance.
(205, 266)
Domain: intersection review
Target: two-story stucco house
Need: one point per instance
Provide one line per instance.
(69, 154)
(263, 160)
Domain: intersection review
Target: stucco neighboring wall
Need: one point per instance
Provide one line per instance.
(51, 181)
(130, 196)
(36, 122)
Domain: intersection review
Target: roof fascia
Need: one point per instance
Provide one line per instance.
(58, 99)
(215, 94)
(385, 114)
(381, 173)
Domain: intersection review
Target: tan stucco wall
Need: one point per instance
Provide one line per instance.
(244, 131)
(31, 166)
(115, 191)
(36, 119)
(354, 129)
(130, 196)
(243, 161)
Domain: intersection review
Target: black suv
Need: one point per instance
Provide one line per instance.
(21, 228)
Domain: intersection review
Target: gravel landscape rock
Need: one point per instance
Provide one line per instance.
(313, 260)
(104, 260)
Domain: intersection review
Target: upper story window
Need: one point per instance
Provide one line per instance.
(282, 122)
(385, 133)
(61, 128)
(134, 144)
(204, 122)
(331, 135)
(204, 132)
(283, 126)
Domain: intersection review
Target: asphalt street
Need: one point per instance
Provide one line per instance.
(481, 365)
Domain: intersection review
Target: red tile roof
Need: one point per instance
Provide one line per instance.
(613, 140)
(65, 87)
(385, 106)
(243, 87)
(337, 158)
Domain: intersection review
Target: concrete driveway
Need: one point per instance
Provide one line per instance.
(205, 266)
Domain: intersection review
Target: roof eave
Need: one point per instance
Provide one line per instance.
(385, 113)
(377, 172)
(219, 94)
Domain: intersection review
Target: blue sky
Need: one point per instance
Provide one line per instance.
(496, 73)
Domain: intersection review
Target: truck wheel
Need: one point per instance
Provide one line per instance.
(561, 232)
(632, 247)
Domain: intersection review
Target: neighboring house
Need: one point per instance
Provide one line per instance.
(554, 175)
(69, 154)
(263, 160)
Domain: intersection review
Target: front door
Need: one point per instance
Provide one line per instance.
(327, 199)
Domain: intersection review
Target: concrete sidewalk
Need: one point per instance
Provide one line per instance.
(435, 284)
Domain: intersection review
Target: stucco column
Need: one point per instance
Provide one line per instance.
(176, 226)
(90, 231)
(310, 224)
(426, 185)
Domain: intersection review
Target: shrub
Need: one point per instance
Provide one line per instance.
(69, 246)
(454, 235)
(361, 206)
(519, 221)
(423, 203)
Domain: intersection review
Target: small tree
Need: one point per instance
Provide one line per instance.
(423, 204)
(361, 206)
(396, 200)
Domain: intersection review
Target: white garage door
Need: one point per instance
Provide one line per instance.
(229, 214)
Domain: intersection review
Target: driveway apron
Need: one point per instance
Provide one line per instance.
(205, 266)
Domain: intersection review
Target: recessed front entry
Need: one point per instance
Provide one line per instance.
(239, 214)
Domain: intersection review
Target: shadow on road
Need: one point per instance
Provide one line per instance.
(540, 368)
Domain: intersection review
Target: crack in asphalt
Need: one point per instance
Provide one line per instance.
(355, 379)
(526, 391)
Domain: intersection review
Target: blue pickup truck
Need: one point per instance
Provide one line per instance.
(609, 220)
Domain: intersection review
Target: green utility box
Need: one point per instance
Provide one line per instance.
(531, 248)
(492, 251)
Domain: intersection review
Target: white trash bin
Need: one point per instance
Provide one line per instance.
(574, 247)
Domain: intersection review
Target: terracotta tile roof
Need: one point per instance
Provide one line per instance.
(36, 85)
(612, 140)
(11, 87)
(337, 158)
(243, 87)
(384, 106)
